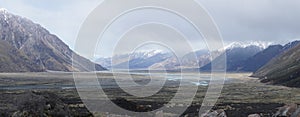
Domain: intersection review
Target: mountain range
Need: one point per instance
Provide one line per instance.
(235, 57)
(262, 58)
(251, 58)
(276, 64)
(28, 47)
(240, 58)
(151, 59)
(236, 53)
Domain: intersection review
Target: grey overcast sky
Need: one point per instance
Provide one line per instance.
(276, 21)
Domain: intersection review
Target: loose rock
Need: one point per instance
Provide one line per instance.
(286, 111)
(254, 115)
(217, 113)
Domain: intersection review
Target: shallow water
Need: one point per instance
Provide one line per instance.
(171, 80)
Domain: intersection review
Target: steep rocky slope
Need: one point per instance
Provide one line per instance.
(283, 69)
(28, 47)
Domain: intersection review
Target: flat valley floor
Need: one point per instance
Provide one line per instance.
(55, 94)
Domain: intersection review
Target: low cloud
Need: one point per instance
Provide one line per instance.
(275, 21)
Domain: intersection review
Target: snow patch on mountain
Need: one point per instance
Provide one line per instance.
(3, 10)
(260, 44)
(151, 53)
(160, 58)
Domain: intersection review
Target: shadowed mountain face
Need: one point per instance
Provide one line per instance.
(283, 69)
(262, 58)
(236, 58)
(28, 47)
(257, 61)
(251, 58)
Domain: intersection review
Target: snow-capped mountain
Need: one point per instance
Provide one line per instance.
(156, 60)
(259, 44)
(159, 60)
(284, 68)
(137, 60)
(236, 55)
(262, 58)
(146, 54)
(290, 45)
(188, 61)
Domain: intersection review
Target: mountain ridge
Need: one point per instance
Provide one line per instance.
(235, 58)
(170, 62)
(283, 69)
(39, 49)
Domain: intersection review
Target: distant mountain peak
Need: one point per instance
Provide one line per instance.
(3, 10)
(150, 53)
(4, 13)
(260, 44)
(290, 44)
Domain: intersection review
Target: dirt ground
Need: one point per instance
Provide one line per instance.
(241, 95)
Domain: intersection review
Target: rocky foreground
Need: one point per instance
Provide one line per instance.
(289, 110)
(53, 104)
(53, 95)
(39, 104)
